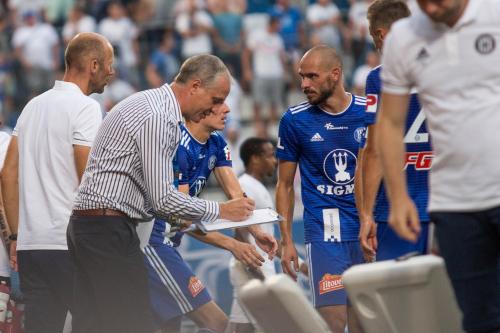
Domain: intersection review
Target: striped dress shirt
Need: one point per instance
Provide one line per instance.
(130, 164)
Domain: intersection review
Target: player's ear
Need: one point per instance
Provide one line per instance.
(336, 73)
(195, 86)
(94, 66)
(381, 33)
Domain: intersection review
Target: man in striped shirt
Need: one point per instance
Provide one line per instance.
(129, 179)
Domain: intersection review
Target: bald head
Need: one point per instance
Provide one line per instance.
(83, 48)
(325, 57)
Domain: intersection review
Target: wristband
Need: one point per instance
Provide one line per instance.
(13, 237)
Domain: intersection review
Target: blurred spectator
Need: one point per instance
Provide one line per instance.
(78, 21)
(115, 91)
(324, 19)
(182, 6)
(6, 89)
(291, 25)
(122, 33)
(195, 26)
(228, 35)
(256, 15)
(233, 124)
(57, 11)
(162, 14)
(266, 50)
(358, 24)
(293, 34)
(361, 73)
(19, 7)
(36, 46)
(163, 64)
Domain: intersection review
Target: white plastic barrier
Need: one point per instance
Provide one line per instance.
(279, 306)
(404, 296)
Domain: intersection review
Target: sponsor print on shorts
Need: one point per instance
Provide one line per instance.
(329, 283)
(195, 286)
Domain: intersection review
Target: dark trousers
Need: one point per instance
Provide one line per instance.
(111, 285)
(470, 245)
(46, 278)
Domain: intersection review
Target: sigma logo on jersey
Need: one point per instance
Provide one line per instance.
(195, 286)
(371, 103)
(339, 166)
(329, 283)
(330, 126)
(317, 138)
(420, 160)
(359, 133)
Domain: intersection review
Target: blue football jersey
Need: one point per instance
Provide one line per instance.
(418, 158)
(193, 165)
(325, 146)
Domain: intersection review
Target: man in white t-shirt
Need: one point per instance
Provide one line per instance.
(195, 26)
(123, 34)
(78, 21)
(260, 162)
(450, 52)
(45, 161)
(325, 19)
(263, 67)
(36, 47)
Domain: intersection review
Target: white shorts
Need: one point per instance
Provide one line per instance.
(239, 276)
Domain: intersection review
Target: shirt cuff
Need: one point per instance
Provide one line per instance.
(395, 89)
(211, 211)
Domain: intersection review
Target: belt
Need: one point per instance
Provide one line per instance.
(99, 212)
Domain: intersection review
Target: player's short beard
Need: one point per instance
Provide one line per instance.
(325, 91)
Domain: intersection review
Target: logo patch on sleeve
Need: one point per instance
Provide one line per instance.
(329, 283)
(227, 153)
(195, 286)
(371, 103)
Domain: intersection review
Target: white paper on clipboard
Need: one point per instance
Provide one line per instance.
(259, 216)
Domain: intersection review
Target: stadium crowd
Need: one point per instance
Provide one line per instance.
(152, 38)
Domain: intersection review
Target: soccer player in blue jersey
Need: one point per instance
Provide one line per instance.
(322, 137)
(376, 237)
(174, 289)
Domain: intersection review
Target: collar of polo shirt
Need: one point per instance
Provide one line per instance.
(65, 85)
(468, 16)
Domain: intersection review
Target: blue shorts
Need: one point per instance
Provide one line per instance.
(174, 289)
(390, 246)
(327, 261)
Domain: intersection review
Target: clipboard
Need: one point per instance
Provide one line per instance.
(259, 216)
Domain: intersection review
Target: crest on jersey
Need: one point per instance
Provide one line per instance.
(337, 164)
(198, 185)
(211, 162)
(359, 133)
(485, 44)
